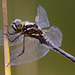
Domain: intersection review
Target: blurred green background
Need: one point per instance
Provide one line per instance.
(60, 13)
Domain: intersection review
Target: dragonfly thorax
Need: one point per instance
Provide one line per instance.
(31, 30)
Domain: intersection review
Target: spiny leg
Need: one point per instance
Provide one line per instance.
(15, 39)
(21, 52)
(14, 32)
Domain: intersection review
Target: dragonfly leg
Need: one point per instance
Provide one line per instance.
(13, 33)
(15, 39)
(21, 52)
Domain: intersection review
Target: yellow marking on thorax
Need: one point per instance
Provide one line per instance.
(29, 28)
(24, 30)
(36, 34)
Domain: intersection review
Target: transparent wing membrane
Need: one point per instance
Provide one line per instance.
(41, 18)
(11, 37)
(33, 51)
(54, 35)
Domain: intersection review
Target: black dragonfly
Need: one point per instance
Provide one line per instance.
(34, 39)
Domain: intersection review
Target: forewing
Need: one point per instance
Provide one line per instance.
(54, 35)
(33, 51)
(41, 18)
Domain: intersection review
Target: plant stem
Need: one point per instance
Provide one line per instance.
(6, 43)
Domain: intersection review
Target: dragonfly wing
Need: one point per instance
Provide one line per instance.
(41, 18)
(54, 35)
(33, 51)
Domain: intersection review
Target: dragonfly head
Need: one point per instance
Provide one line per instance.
(17, 25)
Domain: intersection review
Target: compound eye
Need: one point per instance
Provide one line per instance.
(17, 25)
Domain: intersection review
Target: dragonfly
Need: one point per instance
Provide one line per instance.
(34, 40)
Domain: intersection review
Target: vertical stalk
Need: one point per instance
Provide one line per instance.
(6, 43)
